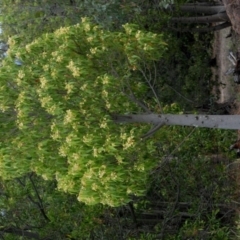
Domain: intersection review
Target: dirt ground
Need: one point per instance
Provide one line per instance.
(228, 90)
(221, 48)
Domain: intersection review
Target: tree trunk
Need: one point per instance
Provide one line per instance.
(202, 3)
(207, 121)
(204, 29)
(220, 17)
(202, 9)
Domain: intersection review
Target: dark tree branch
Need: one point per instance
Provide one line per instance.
(39, 203)
(154, 129)
(131, 207)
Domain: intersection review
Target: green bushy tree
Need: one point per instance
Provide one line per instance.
(57, 111)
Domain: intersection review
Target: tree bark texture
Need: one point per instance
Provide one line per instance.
(207, 121)
(220, 17)
(202, 9)
(204, 29)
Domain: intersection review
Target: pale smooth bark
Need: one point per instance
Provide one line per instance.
(207, 121)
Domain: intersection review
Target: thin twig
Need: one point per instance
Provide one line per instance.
(134, 99)
(152, 88)
(166, 159)
(140, 104)
(154, 129)
(39, 203)
(179, 93)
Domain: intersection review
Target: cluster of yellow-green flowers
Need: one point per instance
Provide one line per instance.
(69, 87)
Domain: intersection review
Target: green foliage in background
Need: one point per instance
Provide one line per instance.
(32, 203)
(47, 108)
(30, 19)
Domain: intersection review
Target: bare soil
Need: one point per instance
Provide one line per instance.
(228, 90)
(221, 48)
(233, 12)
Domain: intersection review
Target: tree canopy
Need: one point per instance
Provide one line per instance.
(57, 109)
